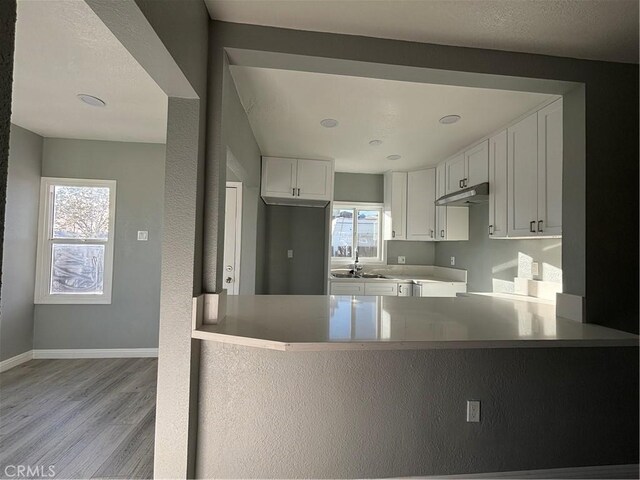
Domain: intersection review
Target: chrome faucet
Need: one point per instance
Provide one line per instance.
(357, 268)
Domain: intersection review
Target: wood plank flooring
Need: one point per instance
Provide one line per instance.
(88, 418)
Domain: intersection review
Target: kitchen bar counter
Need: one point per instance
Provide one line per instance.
(319, 323)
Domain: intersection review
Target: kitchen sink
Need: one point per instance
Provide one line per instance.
(362, 275)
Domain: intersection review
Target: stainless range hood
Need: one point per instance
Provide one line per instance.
(464, 198)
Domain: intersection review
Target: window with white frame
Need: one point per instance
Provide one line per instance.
(75, 241)
(356, 226)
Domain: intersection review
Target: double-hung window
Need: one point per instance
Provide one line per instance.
(356, 226)
(75, 241)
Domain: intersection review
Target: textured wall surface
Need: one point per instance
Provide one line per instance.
(490, 261)
(358, 187)
(269, 414)
(301, 229)
(243, 151)
(131, 320)
(7, 33)
(20, 242)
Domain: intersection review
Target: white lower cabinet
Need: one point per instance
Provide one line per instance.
(439, 289)
(405, 289)
(347, 288)
(381, 288)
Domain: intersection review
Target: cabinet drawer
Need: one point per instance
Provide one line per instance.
(383, 289)
(441, 289)
(347, 288)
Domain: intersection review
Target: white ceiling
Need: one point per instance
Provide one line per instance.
(63, 49)
(285, 109)
(591, 29)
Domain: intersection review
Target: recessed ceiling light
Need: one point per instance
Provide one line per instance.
(375, 143)
(329, 123)
(91, 100)
(449, 119)
(394, 157)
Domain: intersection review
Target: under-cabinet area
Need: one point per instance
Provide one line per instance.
(460, 192)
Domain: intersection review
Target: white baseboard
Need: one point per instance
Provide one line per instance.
(596, 471)
(15, 361)
(96, 353)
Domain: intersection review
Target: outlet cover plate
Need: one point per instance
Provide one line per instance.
(402, 260)
(473, 411)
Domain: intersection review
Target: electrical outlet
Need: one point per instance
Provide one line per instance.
(453, 261)
(535, 269)
(143, 235)
(289, 253)
(473, 411)
(402, 260)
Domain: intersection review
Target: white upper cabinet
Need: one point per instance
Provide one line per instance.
(522, 186)
(395, 205)
(468, 169)
(477, 164)
(456, 172)
(278, 177)
(291, 181)
(534, 167)
(421, 210)
(314, 179)
(550, 170)
(498, 185)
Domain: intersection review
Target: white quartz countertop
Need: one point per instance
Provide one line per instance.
(395, 278)
(317, 323)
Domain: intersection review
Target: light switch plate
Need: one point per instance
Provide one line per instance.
(143, 235)
(402, 260)
(289, 253)
(473, 411)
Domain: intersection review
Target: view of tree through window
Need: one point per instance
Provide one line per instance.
(79, 213)
(355, 228)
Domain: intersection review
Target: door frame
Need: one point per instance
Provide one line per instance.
(238, 187)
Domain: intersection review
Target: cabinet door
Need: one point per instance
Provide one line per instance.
(550, 170)
(522, 188)
(347, 288)
(395, 200)
(421, 195)
(314, 180)
(381, 288)
(442, 289)
(278, 177)
(455, 173)
(477, 163)
(498, 185)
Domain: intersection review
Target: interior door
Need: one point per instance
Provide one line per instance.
(232, 219)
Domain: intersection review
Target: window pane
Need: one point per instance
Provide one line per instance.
(342, 233)
(368, 233)
(77, 269)
(81, 212)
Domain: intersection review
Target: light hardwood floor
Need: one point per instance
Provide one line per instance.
(89, 418)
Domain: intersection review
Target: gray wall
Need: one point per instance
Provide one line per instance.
(415, 253)
(7, 31)
(243, 164)
(131, 321)
(487, 259)
(20, 242)
(371, 414)
(358, 187)
(301, 229)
